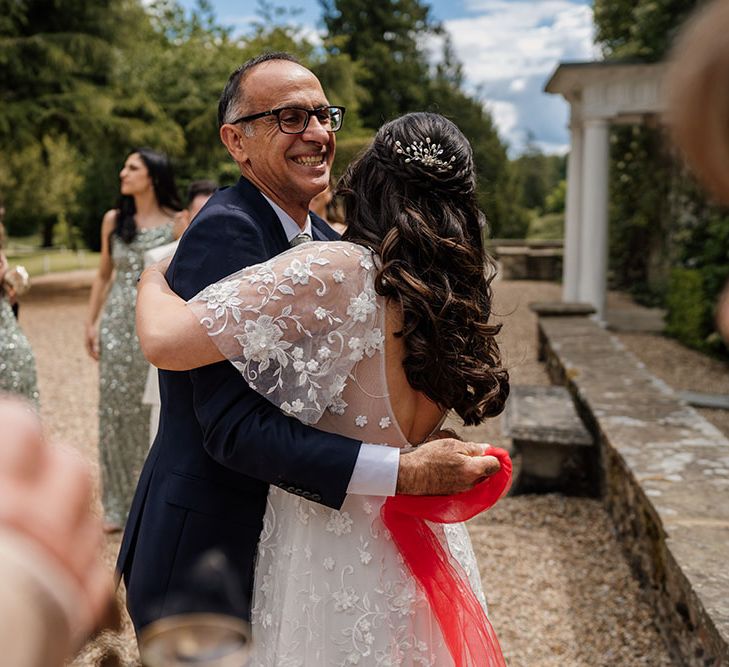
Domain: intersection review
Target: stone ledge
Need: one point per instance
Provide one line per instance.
(561, 308)
(665, 482)
(544, 414)
(555, 449)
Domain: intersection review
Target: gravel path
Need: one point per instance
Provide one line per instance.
(560, 591)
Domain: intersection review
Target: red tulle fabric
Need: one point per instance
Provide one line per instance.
(467, 631)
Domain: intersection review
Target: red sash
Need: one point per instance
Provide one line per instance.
(466, 629)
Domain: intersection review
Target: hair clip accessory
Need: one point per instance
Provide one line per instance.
(426, 153)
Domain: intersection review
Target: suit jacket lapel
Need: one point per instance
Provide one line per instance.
(264, 213)
(319, 229)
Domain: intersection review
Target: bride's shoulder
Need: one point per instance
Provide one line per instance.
(348, 254)
(325, 255)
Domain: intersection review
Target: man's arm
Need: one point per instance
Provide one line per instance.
(245, 432)
(241, 430)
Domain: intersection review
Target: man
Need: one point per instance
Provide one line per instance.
(198, 193)
(203, 488)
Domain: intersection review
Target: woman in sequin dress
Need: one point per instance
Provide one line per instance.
(17, 363)
(145, 219)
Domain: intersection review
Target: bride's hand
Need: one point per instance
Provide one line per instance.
(161, 266)
(155, 273)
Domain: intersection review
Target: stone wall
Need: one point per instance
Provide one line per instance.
(665, 482)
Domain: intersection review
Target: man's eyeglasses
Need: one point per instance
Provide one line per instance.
(294, 120)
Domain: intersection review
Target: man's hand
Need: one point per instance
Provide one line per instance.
(442, 467)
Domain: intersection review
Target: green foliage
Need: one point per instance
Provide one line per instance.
(83, 82)
(537, 175)
(347, 150)
(640, 210)
(546, 227)
(639, 30)
(389, 69)
(689, 308)
(49, 261)
(384, 37)
(555, 201)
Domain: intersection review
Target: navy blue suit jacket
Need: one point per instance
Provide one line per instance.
(202, 492)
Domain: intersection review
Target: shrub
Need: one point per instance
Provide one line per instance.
(689, 308)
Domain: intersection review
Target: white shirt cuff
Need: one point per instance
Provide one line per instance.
(375, 472)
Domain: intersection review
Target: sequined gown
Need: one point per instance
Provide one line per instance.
(123, 419)
(306, 330)
(17, 364)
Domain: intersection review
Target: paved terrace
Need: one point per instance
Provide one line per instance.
(560, 592)
(665, 482)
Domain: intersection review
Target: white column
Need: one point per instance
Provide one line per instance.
(573, 213)
(594, 229)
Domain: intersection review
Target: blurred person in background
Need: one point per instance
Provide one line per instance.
(698, 107)
(12, 297)
(326, 207)
(54, 587)
(198, 194)
(144, 219)
(17, 363)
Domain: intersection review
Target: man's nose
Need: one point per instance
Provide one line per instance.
(315, 131)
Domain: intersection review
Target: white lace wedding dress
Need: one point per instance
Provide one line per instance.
(306, 330)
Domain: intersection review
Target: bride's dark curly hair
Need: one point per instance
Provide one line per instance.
(417, 210)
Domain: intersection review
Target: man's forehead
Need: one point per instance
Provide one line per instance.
(277, 83)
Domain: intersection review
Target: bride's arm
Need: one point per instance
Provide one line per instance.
(169, 333)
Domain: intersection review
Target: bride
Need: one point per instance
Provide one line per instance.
(376, 337)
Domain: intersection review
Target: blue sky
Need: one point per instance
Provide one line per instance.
(508, 49)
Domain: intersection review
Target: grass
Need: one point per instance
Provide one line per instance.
(39, 261)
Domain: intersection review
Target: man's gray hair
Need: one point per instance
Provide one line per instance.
(230, 105)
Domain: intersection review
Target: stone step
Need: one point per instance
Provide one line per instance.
(550, 439)
(701, 400)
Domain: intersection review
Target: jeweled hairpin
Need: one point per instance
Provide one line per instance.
(426, 153)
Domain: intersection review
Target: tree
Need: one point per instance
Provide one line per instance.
(384, 39)
(642, 30)
(489, 153)
(59, 66)
(537, 175)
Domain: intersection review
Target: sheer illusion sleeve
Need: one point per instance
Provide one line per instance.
(295, 326)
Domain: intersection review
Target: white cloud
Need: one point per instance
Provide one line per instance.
(509, 48)
(505, 115)
(242, 25)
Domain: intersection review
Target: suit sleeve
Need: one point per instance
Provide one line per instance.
(241, 430)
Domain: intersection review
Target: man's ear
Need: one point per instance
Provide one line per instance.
(234, 142)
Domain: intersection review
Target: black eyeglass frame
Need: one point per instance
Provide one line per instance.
(280, 110)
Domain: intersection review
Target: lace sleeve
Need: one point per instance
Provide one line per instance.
(295, 326)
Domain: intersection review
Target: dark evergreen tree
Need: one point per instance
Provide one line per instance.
(385, 38)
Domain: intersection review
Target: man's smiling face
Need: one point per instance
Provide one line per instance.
(289, 168)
